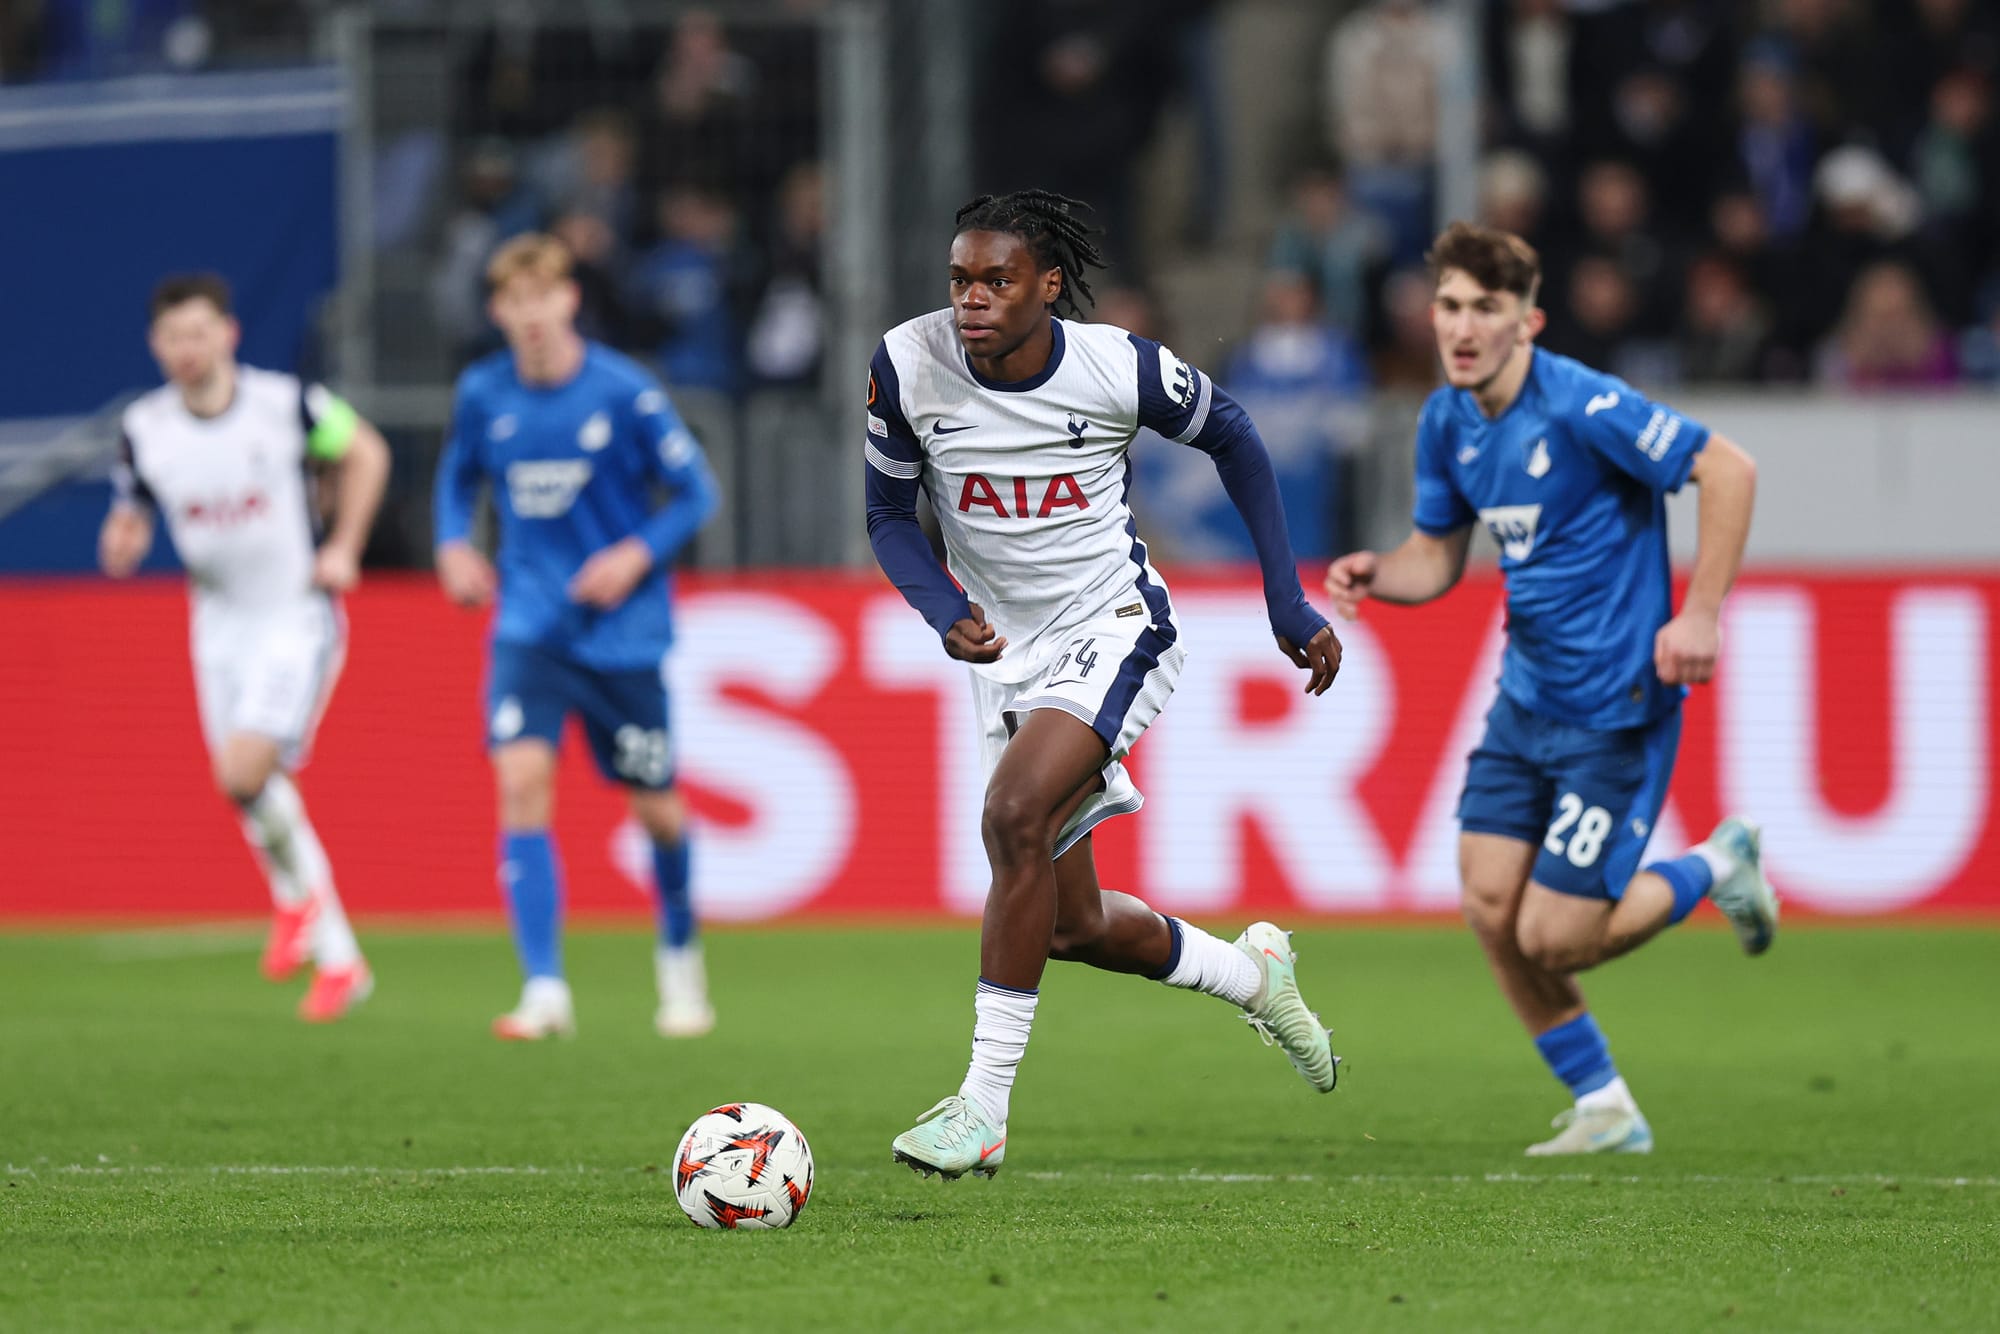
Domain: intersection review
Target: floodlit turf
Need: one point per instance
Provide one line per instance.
(180, 1153)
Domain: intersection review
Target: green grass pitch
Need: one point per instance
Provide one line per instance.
(180, 1153)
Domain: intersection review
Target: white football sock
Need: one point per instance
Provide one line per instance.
(1212, 965)
(1720, 864)
(297, 868)
(277, 828)
(1614, 1094)
(334, 946)
(286, 891)
(681, 972)
(999, 1037)
(537, 992)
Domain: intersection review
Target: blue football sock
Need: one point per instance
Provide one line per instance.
(532, 880)
(1577, 1053)
(1691, 877)
(670, 883)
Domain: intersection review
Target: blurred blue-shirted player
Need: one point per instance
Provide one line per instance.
(576, 441)
(1569, 469)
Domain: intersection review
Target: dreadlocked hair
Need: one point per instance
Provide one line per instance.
(1048, 223)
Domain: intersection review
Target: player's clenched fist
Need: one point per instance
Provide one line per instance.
(1347, 582)
(1685, 649)
(336, 569)
(467, 575)
(973, 639)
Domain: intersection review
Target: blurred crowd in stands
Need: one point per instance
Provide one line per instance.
(1723, 193)
(1732, 193)
(684, 174)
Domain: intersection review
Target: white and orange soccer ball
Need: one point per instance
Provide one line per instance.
(743, 1165)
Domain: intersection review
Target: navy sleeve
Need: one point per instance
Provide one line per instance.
(895, 462)
(675, 457)
(1175, 399)
(127, 486)
(1653, 444)
(456, 491)
(1440, 508)
(1227, 435)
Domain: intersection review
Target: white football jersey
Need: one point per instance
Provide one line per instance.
(234, 488)
(1028, 479)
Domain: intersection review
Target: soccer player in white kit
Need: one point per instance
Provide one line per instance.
(232, 457)
(1015, 423)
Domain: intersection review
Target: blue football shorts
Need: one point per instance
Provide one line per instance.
(1588, 798)
(531, 691)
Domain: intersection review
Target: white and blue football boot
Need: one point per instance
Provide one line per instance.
(1744, 895)
(1596, 1130)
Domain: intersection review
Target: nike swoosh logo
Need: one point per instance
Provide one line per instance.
(992, 1149)
(952, 430)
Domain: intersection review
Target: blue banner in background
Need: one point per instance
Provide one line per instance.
(105, 187)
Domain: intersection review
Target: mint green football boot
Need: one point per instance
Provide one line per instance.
(951, 1139)
(1279, 1013)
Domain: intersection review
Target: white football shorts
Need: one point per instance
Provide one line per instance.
(268, 672)
(1115, 674)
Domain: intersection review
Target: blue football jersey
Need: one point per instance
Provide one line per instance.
(575, 468)
(1572, 481)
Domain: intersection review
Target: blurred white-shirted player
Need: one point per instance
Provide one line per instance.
(233, 458)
